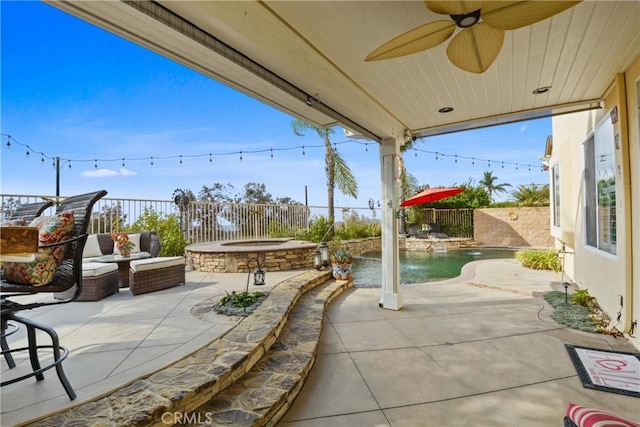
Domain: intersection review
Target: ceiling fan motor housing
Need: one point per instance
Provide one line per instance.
(466, 20)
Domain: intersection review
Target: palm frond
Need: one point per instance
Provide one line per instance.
(345, 180)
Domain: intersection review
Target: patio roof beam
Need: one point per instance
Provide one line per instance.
(186, 28)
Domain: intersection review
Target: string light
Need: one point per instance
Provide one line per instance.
(334, 145)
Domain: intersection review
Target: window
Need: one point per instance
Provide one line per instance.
(600, 187)
(555, 185)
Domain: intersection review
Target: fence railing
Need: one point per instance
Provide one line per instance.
(200, 221)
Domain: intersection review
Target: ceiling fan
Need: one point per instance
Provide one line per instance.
(483, 25)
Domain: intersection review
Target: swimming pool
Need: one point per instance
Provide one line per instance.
(420, 266)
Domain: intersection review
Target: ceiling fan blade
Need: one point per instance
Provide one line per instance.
(455, 7)
(509, 15)
(420, 38)
(475, 48)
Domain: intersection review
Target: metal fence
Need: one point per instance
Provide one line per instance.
(108, 214)
(202, 221)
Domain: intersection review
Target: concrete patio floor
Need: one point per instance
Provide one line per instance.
(477, 350)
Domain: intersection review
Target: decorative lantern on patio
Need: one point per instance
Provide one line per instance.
(324, 254)
(317, 260)
(259, 276)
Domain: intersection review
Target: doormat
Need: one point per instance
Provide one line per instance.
(607, 370)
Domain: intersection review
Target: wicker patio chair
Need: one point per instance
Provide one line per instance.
(67, 274)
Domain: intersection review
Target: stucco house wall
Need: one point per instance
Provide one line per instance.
(613, 278)
(513, 227)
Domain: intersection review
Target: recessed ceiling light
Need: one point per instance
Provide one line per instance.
(542, 89)
(445, 110)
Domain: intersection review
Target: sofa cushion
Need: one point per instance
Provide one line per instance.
(91, 247)
(135, 239)
(155, 263)
(51, 229)
(95, 269)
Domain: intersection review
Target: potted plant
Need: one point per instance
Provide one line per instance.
(342, 261)
(123, 243)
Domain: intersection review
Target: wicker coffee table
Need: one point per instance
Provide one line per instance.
(123, 264)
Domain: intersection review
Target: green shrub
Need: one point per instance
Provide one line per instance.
(582, 297)
(241, 299)
(574, 315)
(543, 259)
(167, 227)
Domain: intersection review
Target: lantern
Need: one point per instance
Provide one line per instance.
(317, 260)
(324, 254)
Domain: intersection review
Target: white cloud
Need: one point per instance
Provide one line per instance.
(105, 173)
(523, 128)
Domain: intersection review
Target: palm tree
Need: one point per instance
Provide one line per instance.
(532, 195)
(488, 183)
(336, 168)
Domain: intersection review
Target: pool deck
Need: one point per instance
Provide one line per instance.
(480, 349)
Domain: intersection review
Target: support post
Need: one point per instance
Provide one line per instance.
(389, 161)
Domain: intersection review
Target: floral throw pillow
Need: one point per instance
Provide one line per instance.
(51, 229)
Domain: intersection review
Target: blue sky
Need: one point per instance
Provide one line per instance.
(72, 90)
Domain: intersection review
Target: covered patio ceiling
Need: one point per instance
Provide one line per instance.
(307, 58)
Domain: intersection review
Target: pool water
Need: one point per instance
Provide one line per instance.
(418, 267)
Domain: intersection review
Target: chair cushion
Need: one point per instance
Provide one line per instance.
(156, 263)
(92, 247)
(135, 238)
(584, 416)
(95, 269)
(51, 229)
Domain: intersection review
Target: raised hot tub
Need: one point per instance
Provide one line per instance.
(240, 256)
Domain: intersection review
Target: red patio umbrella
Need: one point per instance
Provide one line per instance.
(431, 195)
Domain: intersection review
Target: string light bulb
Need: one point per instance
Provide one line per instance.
(8, 142)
